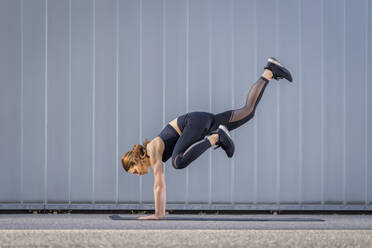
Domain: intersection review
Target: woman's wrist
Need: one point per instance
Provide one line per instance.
(159, 215)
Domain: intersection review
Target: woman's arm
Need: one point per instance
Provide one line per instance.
(159, 193)
(159, 182)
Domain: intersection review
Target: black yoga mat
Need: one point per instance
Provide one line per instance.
(207, 218)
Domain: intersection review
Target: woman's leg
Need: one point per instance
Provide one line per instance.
(235, 118)
(190, 145)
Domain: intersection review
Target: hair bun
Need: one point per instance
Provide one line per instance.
(138, 149)
(145, 142)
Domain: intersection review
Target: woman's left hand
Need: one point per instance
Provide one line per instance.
(150, 217)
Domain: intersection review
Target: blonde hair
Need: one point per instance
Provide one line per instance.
(138, 152)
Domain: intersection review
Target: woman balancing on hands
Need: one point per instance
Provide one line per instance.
(186, 137)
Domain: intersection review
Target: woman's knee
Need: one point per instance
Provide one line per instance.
(176, 163)
(237, 123)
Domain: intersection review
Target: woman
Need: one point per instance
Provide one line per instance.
(185, 138)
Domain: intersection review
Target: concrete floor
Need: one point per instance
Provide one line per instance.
(267, 222)
(98, 230)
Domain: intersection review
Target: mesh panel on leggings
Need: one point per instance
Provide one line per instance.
(240, 116)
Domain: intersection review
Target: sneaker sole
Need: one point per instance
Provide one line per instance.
(275, 62)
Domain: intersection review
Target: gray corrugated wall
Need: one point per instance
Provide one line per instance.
(82, 81)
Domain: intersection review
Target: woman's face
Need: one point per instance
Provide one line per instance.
(139, 168)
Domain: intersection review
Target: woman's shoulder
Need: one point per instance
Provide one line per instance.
(157, 141)
(156, 148)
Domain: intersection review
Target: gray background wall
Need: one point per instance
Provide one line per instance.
(83, 80)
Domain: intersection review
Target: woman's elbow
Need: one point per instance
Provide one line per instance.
(159, 186)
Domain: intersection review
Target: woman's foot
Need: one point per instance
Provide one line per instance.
(225, 141)
(278, 70)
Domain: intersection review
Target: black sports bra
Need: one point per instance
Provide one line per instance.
(169, 136)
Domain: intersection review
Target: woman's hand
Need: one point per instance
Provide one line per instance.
(151, 217)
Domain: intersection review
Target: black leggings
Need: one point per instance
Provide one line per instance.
(192, 142)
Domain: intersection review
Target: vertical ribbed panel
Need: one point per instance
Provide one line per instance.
(164, 52)
(152, 76)
(82, 101)
(311, 84)
(277, 152)
(199, 94)
(187, 81)
(175, 96)
(140, 86)
(21, 103)
(46, 105)
(289, 101)
(69, 102)
(210, 56)
(106, 101)
(355, 134)
(368, 108)
(11, 101)
(34, 121)
(129, 50)
(345, 103)
(232, 187)
(94, 101)
(366, 137)
(58, 101)
(300, 104)
(255, 137)
(243, 77)
(117, 102)
(323, 32)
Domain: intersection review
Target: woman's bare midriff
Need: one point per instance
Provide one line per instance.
(173, 123)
